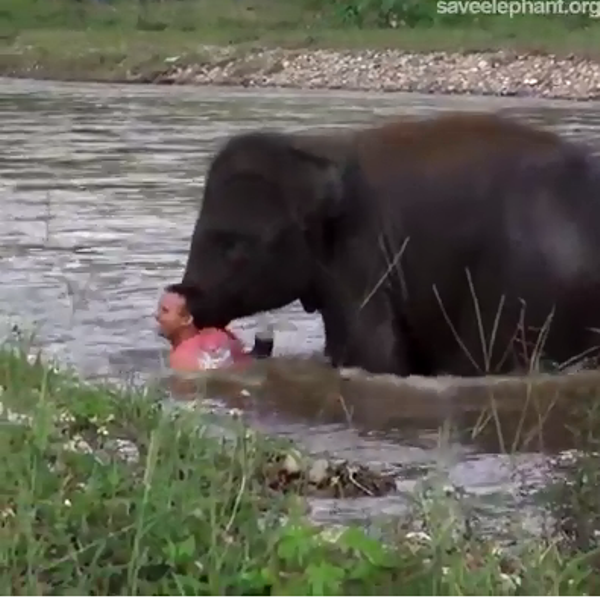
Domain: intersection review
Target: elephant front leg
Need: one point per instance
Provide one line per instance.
(366, 338)
(335, 336)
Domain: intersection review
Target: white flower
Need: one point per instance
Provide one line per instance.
(15, 418)
(66, 417)
(449, 490)
(6, 513)
(331, 534)
(78, 445)
(420, 536)
(67, 502)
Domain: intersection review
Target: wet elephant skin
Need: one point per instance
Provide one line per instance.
(462, 244)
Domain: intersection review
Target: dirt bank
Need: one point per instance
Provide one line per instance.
(499, 73)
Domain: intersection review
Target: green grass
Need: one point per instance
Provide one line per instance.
(88, 39)
(186, 512)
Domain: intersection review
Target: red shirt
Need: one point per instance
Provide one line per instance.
(211, 347)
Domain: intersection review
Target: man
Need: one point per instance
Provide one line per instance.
(195, 348)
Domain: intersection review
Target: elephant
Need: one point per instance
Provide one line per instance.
(464, 244)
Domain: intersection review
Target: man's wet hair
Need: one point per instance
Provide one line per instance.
(190, 294)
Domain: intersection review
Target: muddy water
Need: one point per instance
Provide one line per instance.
(99, 189)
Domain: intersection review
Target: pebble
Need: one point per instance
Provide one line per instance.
(292, 462)
(499, 73)
(318, 471)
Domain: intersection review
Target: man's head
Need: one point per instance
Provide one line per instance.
(175, 309)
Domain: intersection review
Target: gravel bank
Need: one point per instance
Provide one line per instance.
(488, 73)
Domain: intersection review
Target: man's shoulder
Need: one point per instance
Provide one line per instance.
(210, 338)
(215, 337)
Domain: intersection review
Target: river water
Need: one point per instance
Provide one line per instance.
(99, 191)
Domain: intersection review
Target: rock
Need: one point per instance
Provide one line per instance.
(125, 449)
(292, 462)
(288, 473)
(318, 472)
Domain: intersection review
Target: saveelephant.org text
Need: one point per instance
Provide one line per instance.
(519, 7)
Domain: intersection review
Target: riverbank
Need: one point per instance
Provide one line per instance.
(105, 492)
(375, 45)
(497, 72)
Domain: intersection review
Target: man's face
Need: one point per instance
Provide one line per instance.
(172, 315)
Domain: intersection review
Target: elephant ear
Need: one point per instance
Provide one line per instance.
(323, 161)
(326, 183)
